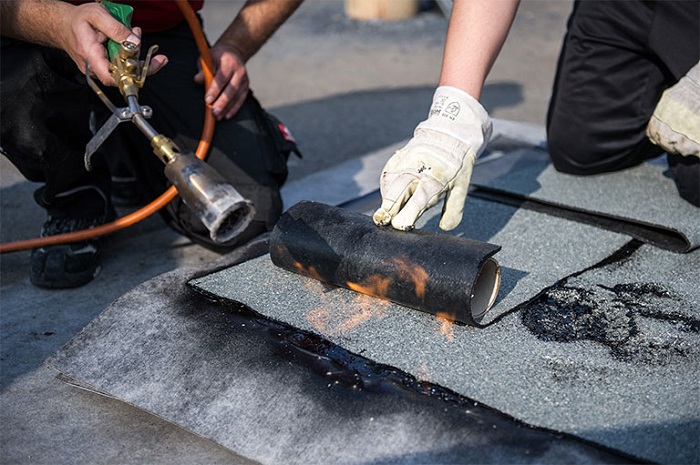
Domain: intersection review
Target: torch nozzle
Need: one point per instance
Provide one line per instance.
(224, 212)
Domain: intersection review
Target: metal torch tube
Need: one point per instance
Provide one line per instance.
(140, 121)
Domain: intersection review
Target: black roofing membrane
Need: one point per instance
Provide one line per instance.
(642, 201)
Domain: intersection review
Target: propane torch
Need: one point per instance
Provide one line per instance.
(224, 211)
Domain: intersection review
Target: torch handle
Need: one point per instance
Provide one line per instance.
(121, 13)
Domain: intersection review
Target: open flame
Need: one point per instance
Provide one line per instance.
(406, 270)
(363, 309)
(374, 285)
(319, 317)
(333, 319)
(309, 271)
(413, 272)
(447, 325)
(347, 318)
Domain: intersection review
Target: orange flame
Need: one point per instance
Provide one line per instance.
(329, 320)
(375, 285)
(308, 271)
(447, 325)
(412, 272)
(319, 318)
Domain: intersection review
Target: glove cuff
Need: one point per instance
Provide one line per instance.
(459, 115)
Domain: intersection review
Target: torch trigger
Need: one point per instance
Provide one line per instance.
(144, 70)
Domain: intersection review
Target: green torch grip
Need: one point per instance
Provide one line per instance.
(121, 13)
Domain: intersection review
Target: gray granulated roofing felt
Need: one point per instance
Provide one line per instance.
(644, 194)
(264, 391)
(645, 314)
(612, 355)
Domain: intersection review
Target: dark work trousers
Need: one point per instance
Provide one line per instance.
(617, 59)
(46, 108)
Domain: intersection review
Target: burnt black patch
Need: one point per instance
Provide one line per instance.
(638, 322)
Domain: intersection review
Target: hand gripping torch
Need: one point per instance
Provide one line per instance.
(224, 211)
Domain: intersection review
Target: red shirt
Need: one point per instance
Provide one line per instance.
(154, 15)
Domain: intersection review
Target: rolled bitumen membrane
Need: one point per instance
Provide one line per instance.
(451, 276)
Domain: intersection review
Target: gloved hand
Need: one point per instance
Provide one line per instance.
(437, 160)
(675, 124)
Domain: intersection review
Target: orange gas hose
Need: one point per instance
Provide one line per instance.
(165, 197)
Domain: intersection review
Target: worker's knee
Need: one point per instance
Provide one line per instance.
(573, 152)
(584, 151)
(566, 156)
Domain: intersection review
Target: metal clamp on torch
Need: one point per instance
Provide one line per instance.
(224, 211)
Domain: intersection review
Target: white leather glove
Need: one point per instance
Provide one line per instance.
(437, 160)
(675, 124)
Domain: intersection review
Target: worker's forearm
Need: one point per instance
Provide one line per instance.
(476, 33)
(255, 23)
(36, 21)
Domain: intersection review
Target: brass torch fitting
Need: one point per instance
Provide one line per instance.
(125, 69)
(164, 148)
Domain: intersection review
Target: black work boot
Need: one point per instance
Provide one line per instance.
(71, 265)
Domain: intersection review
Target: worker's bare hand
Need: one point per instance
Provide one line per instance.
(230, 86)
(86, 30)
(157, 61)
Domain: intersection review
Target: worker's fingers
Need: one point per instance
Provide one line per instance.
(232, 96)
(426, 194)
(453, 209)
(96, 56)
(455, 198)
(381, 216)
(396, 189)
(103, 21)
(157, 63)
(216, 87)
(88, 26)
(135, 36)
(237, 100)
